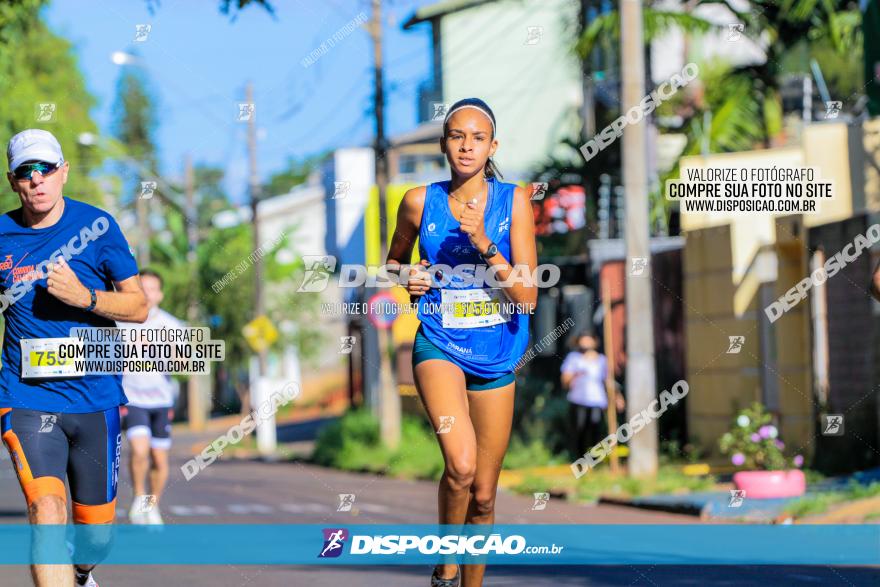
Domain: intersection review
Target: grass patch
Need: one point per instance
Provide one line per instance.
(353, 443)
(521, 455)
(821, 502)
(595, 484)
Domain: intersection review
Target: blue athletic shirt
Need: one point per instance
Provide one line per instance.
(98, 254)
(485, 351)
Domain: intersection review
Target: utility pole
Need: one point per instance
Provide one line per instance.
(195, 404)
(266, 433)
(588, 108)
(640, 376)
(254, 192)
(389, 398)
(588, 112)
(142, 210)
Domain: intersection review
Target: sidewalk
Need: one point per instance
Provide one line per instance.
(319, 409)
(715, 505)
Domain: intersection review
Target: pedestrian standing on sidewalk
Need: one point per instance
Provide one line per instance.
(584, 372)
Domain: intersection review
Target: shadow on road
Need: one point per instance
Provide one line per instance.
(303, 431)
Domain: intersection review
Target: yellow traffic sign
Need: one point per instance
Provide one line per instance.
(260, 333)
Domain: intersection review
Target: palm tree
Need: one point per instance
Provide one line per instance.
(744, 103)
(752, 89)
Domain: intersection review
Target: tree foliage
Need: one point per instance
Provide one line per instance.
(296, 173)
(38, 67)
(134, 125)
(227, 7)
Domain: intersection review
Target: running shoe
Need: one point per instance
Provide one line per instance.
(136, 515)
(154, 517)
(86, 580)
(438, 582)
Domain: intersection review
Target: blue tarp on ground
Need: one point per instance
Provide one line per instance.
(717, 504)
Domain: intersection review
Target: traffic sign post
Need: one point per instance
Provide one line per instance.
(382, 314)
(260, 333)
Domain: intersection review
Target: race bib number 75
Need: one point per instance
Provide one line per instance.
(43, 358)
(473, 308)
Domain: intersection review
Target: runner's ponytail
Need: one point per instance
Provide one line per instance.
(492, 170)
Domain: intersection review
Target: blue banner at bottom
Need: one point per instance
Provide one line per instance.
(310, 544)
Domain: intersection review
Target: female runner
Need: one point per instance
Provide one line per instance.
(471, 334)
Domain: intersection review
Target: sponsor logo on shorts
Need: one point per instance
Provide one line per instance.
(47, 422)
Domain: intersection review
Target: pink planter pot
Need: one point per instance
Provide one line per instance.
(769, 484)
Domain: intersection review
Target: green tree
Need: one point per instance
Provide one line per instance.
(296, 173)
(38, 67)
(210, 195)
(781, 26)
(134, 124)
(744, 102)
(227, 7)
(223, 282)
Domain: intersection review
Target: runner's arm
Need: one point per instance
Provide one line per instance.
(409, 217)
(126, 304)
(522, 249)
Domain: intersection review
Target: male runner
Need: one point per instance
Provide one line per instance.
(65, 264)
(147, 421)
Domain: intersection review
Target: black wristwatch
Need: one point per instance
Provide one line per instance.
(94, 300)
(490, 252)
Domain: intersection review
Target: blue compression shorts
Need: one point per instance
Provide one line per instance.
(424, 349)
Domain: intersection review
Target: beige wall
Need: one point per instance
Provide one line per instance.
(722, 275)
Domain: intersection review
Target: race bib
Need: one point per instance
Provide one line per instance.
(43, 358)
(472, 308)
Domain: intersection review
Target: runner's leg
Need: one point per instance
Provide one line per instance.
(159, 471)
(441, 386)
(160, 443)
(139, 463)
(96, 444)
(491, 413)
(137, 430)
(39, 452)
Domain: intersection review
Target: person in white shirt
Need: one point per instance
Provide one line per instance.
(148, 415)
(584, 371)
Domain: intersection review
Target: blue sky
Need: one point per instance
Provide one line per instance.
(198, 62)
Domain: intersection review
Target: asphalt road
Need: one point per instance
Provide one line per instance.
(289, 493)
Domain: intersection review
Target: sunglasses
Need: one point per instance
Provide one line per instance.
(26, 170)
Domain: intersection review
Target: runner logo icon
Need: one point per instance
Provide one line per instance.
(47, 422)
(318, 271)
(334, 541)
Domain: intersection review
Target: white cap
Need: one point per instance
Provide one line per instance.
(33, 144)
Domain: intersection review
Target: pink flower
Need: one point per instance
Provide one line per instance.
(738, 459)
(798, 461)
(755, 437)
(779, 444)
(764, 431)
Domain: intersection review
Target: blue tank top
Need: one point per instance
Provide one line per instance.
(482, 344)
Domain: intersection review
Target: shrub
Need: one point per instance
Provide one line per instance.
(753, 442)
(353, 443)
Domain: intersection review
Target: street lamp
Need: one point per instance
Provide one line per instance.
(123, 58)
